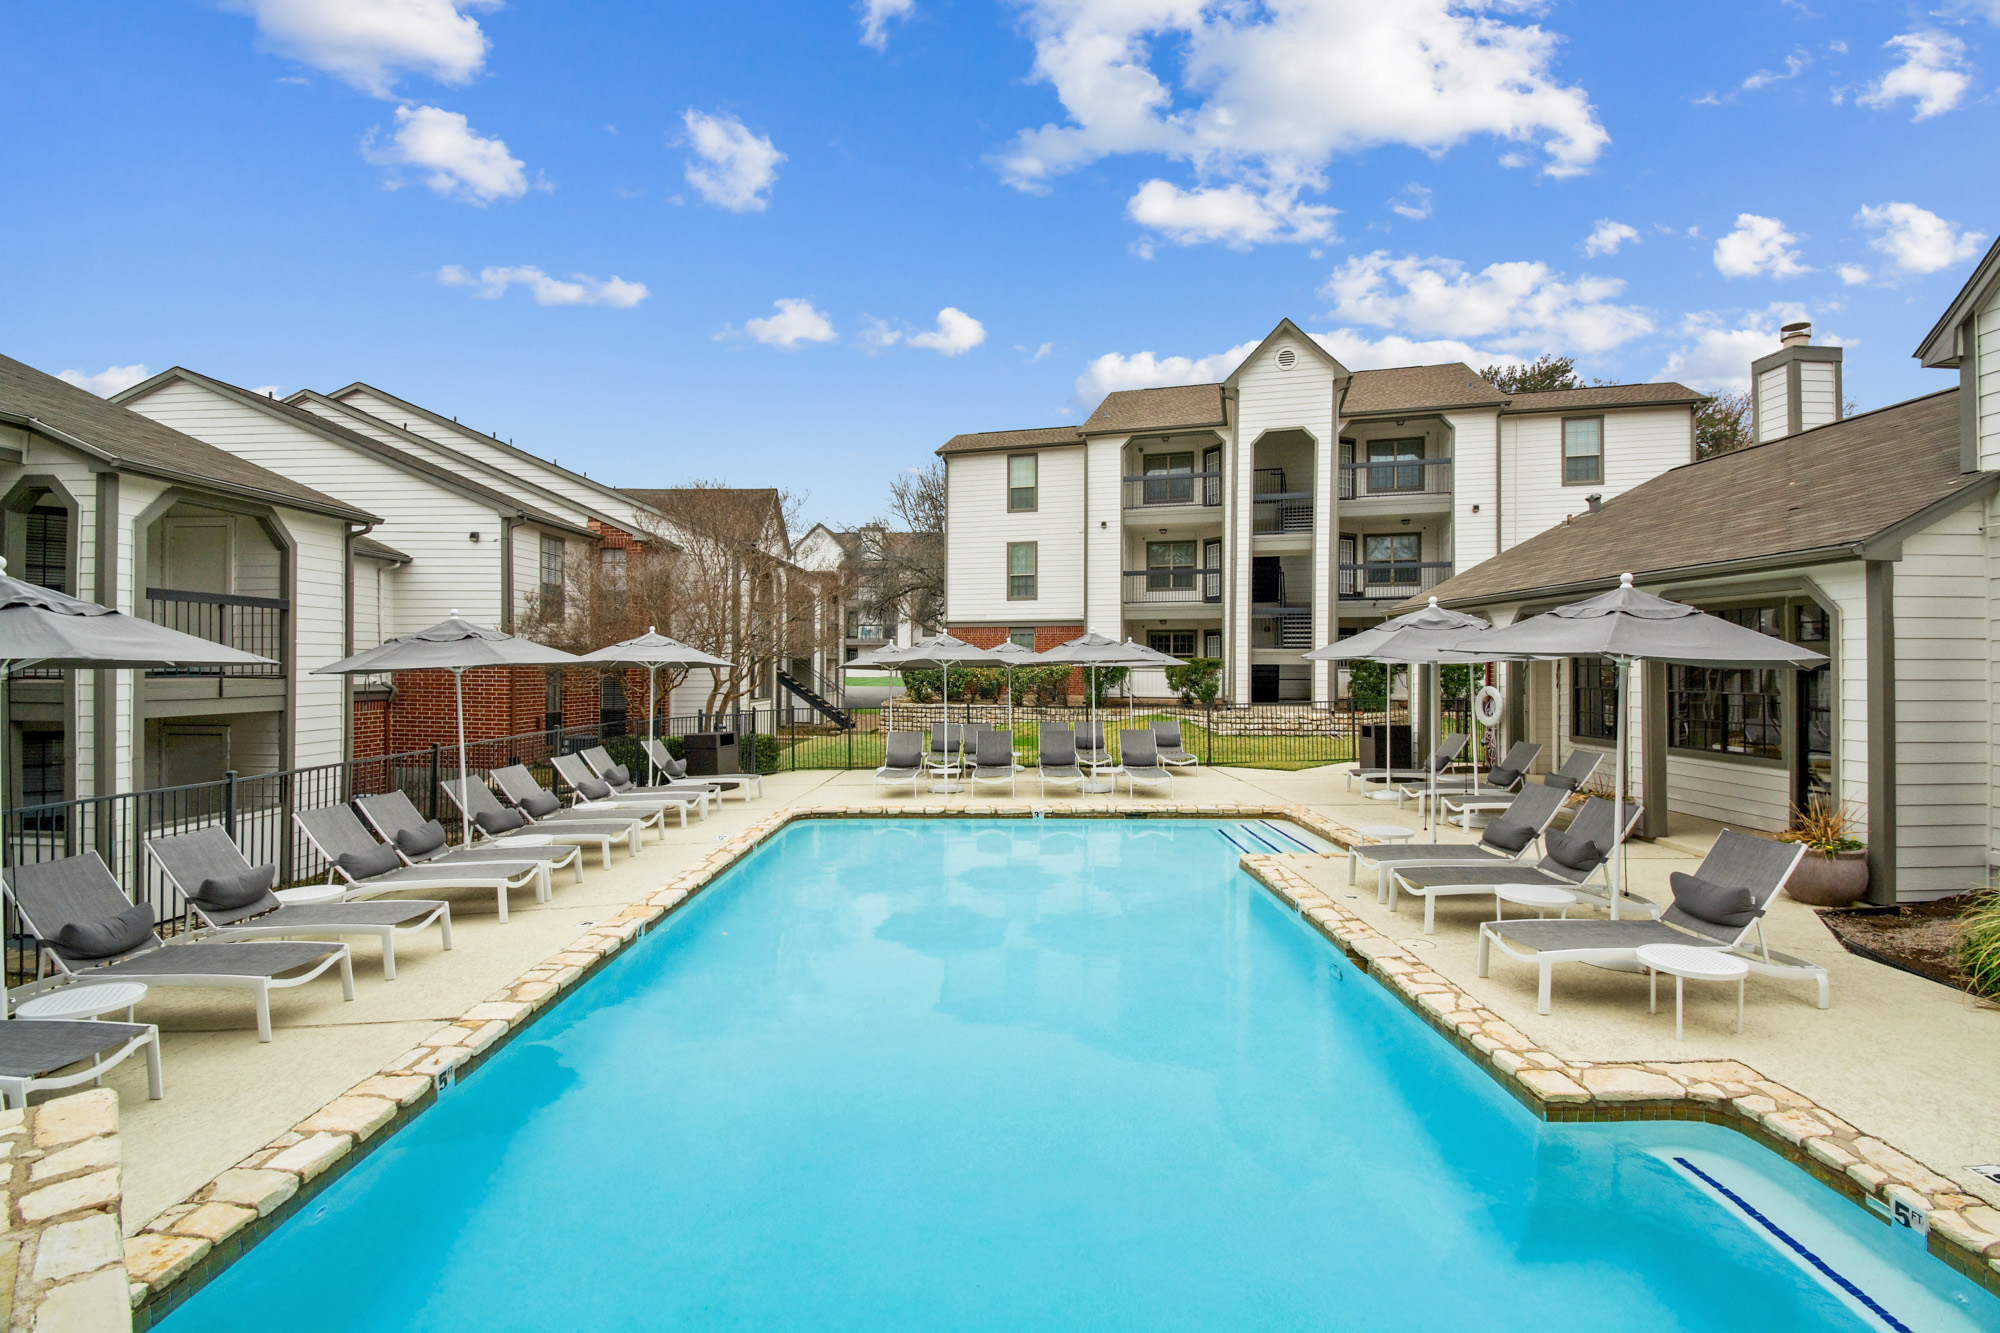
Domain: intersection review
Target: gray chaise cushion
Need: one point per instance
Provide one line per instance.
(1721, 904)
(618, 775)
(226, 892)
(378, 860)
(120, 933)
(593, 789)
(1577, 853)
(493, 822)
(1508, 836)
(420, 841)
(540, 804)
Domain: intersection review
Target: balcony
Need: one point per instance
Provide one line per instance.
(1281, 513)
(865, 634)
(1404, 476)
(1391, 580)
(1175, 585)
(253, 624)
(1174, 490)
(1281, 627)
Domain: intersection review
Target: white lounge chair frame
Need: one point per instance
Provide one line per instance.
(1540, 803)
(14, 1088)
(493, 876)
(572, 833)
(573, 772)
(1549, 872)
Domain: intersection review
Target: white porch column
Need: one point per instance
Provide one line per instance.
(1326, 520)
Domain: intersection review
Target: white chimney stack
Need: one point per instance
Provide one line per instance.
(1796, 387)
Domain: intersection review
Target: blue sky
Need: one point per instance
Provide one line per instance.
(804, 244)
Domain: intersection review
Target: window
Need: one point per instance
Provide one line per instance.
(1169, 566)
(1020, 571)
(47, 554)
(552, 575)
(1020, 482)
(1593, 699)
(552, 701)
(1393, 557)
(1169, 479)
(1022, 638)
(1409, 477)
(42, 779)
(1211, 643)
(1583, 451)
(612, 560)
(611, 705)
(1175, 642)
(1728, 710)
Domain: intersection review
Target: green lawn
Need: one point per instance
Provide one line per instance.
(863, 749)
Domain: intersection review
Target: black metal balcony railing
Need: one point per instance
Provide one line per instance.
(1173, 585)
(253, 624)
(1377, 579)
(1281, 627)
(1164, 489)
(1282, 511)
(1404, 476)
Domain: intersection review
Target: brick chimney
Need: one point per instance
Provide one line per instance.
(1796, 387)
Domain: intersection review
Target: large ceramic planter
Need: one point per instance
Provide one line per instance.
(1830, 879)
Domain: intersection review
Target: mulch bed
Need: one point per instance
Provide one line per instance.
(1919, 938)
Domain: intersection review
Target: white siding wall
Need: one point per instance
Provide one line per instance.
(420, 517)
(1271, 399)
(1988, 366)
(1741, 795)
(1104, 521)
(1942, 747)
(1473, 479)
(1773, 408)
(980, 529)
(1639, 444)
(1819, 403)
(321, 701)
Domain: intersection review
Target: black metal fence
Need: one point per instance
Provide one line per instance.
(257, 809)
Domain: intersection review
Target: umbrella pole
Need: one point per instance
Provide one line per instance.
(464, 790)
(1618, 797)
(652, 721)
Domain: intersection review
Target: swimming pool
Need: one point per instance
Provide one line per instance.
(1060, 1074)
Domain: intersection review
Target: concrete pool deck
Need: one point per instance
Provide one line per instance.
(1906, 1060)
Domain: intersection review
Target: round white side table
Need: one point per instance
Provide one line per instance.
(1386, 832)
(86, 1001)
(1685, 963)
(311, 895)
(1541, 897)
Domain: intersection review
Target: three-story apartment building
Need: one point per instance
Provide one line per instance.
(1289, 504)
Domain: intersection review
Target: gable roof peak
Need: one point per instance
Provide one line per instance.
(1288, 332)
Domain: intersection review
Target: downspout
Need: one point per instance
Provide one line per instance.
(1880, 583)
(1232, 651)
(104, 702)
(347, 633)
(1499, 487)
(507, 525)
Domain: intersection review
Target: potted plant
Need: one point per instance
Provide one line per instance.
(1834, 870)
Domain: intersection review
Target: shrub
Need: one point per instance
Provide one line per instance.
(1824, 827)
(1198, 682)
(1368, 684)
(768, 751)
(1979, 945)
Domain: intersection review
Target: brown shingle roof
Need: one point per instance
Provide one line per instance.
(1407, 388)
(374, 550)
(1823, 491)
(145, 445)
(988, 441)
(1665, 393)
(1177, 407)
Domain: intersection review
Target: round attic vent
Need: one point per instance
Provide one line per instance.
(1287, 358)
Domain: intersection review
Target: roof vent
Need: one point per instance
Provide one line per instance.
(1287, 358)
(1795, 335)
(1596, 502)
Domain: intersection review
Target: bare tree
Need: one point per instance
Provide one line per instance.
(1722, 424)
(899, 561)
(1545, 372)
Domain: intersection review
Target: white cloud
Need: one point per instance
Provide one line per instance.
(1854, 275)
(732, 168)
(578, 289)
(875, 16)
(1794, 65)
(1607, 237)
(1758, 246)
(1918, 240)
(269, 390)
(1265, 95)
(1115, 371)
(956, 333)
(1235, 215)
(796, 322)
(1521, 305)
(1040, 352)
(371, 43)
(1718, 354)
(460, 163)
(1414, 202)
(1932, 74)
(1357, 351)
(110, 380)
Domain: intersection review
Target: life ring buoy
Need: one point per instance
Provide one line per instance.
(1487, 705)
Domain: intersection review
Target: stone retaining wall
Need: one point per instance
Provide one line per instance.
(187, 1245)
(61, 1265)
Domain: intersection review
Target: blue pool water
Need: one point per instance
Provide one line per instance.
(1049, 1075)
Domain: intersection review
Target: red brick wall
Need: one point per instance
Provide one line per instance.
(371, 728)
(1046, 637)
(499, 701)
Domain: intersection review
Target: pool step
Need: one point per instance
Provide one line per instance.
(1263, 838)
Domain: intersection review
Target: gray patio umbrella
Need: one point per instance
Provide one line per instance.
(653, 650)
(1429, 635)
(40, 627)
(1094, 651)
(1016, 655)
(939, 652)
(458, 646)
(1627, 626)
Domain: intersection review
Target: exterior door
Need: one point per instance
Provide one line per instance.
(1211, 486)
(1211, 566)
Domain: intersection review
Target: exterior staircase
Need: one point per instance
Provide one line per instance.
(814, 694)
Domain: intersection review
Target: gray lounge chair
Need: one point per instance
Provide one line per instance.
(1440, 759)
(993, 761)
(1139, 762)
(80, 891)
(1507, 838)
(1503, 779)
(1575, 770)
(336, 831)
(34, 1051)
(601, 765)
(1736, 861)
(188, 860)
(947, 748)
(1057, 763)
(744, 784)
(902, 761)
(588, 789)
(1090, 748)
(396, 820)
(1569, 873)
(484, 810)
(1167, 740)
(519, 789)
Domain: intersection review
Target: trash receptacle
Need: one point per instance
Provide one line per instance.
(1385, 746)
(711, 753)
